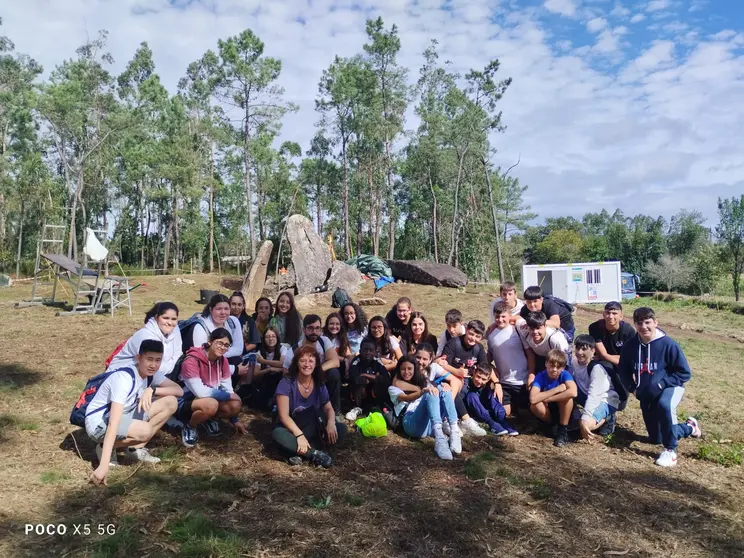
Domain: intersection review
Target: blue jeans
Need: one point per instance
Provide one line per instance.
(660, 416)
(420, 423)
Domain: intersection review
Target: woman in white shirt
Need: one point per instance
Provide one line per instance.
(161, 324)
(217, 314)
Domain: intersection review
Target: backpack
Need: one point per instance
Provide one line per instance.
(339, 298)
(394, 421)
(617, 384)
(175, 374)
(79, 411)
(560, 302)
(117, 350)
(187, 330)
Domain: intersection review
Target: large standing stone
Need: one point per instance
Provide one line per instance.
(311, 257)
(428, 273)
(254, 280)
(345, 276)
(5, 280)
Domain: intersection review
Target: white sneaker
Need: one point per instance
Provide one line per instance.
(354, 414)
(141, 454)
(441, 448)
(696, 432)
(455, 441)
(446, 428)
(113, 462)
(471, 428)
(667, 458)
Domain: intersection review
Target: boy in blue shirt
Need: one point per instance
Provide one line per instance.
(552, 393)
(654, 367)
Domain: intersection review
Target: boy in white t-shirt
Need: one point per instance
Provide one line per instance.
(512, 358)
(542, 338)
(125, 412)
(507, 296)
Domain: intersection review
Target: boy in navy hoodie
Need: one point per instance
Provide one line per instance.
(655, 368)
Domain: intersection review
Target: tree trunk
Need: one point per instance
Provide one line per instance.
(434, 220)
(375, 213)
(248, 188)
(392, 213)
(318, 215)
(211, 208)
(177, 234)
(20, 239)
(72, 248)
(347, 235)
(496, 231)
(166, 248)
(453, 232)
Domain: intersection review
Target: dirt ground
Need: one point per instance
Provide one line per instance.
(390, 497)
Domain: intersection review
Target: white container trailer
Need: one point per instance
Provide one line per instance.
(594, 282)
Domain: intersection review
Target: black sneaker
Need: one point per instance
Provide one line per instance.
(561, 438)
(608, 427)
(319, 459)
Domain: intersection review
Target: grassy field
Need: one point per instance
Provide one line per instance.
(232, 497)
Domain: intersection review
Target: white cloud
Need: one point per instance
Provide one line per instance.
(660, 133)
(620, 11)
(658, 5)
(562, 7)
(596, 24)
(637, 18)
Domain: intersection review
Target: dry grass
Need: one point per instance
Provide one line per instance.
(386, 497)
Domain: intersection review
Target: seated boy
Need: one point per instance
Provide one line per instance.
(655, 367)
(398, 317)
(513, 360)
(453, 319)
(558, 316)
(610, 333)
(598, 400)
(552, 393)
(542, 338)
(483, 405)
(369, 381)
(126, 413)
(460, 355)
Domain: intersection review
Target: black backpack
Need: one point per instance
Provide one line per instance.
(340, 297)
(394, 421)
(175, 374)
(187, 330)
(560, 302)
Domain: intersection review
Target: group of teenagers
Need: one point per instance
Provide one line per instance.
(306, 372)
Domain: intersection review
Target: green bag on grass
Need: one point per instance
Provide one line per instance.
(373, 426)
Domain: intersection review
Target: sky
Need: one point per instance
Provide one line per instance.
(630, 105)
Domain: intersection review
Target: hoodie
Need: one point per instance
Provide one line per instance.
(648, 369)
(205, 378)
(127, 357)
(201, 336)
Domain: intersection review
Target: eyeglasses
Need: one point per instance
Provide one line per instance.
(221, 344)
(314, 328)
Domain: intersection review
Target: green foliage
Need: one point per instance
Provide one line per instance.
(53, 477)
(125, 542)
(727, 455)
(730, 231)
(320, 502)
(198, 536)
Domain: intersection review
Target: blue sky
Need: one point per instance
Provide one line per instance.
(635, 105)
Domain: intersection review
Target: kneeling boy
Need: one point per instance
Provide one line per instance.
(552, 393)
(483, 405)
(124, 413)
(658, 371)
(598, 399)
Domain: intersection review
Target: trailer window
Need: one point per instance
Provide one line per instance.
(593, 276)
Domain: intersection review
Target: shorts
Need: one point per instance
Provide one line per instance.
(183, 411)
(99, 432)
(602, 412)
(518, 396)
